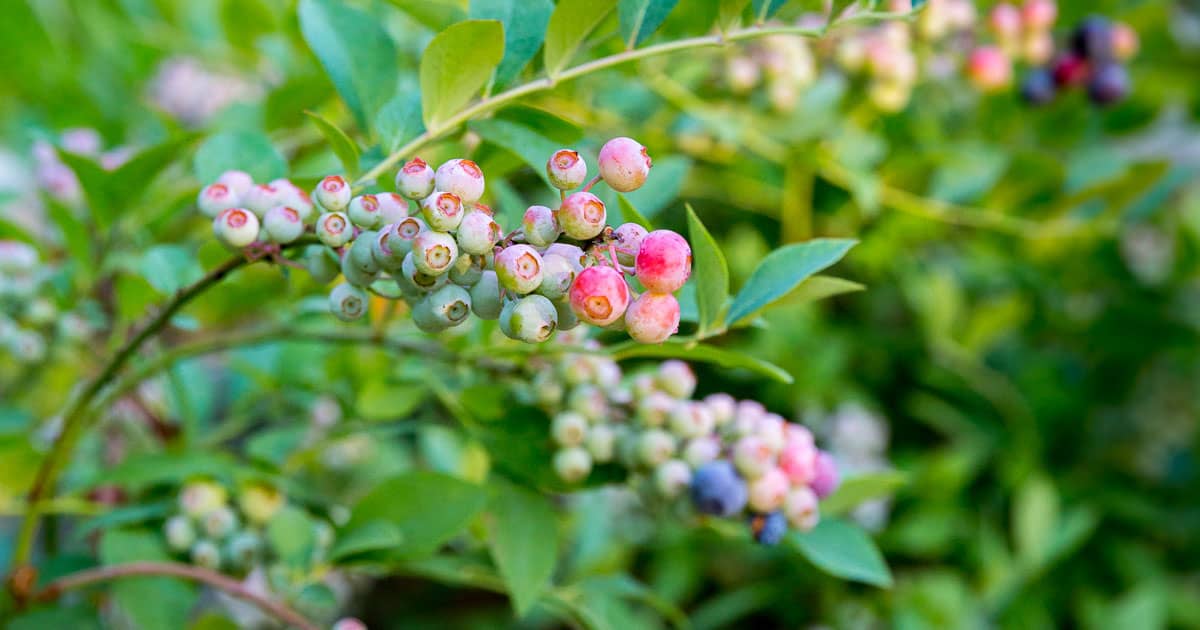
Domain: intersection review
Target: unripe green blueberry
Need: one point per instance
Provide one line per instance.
(654, 447)
(244, 549)
(216, 197)
(800, 505)
(449, 305)
(198, 498)
(519, 268)
(485, 296)
(40, 312)
(572, 464)
(569, 429)
(348, 302)
(442, 210)
(398, 236)
(206, 553)
(566, 317)
(333, 193)
(291, 196)
(425, 319)
(354, 272)
(601, 442)
(582, 216)
(418, 279)
(572, 253)
(629, 241)
(220, 522)
(385, 257)
(364, 212)
(237, 181)
(179, 532)
(260, 198)
(588, 401)
(478, 233)
(690, 419)
(654, 408)
(260, 502)
(599, 295)
(557, 276)
(236, 227)
(393, 208)
(664, 261)
(722, 406)
(461, 177)
(17, 257)
(652, 317)
(334, 229)
(531, 319)
(467, 270)
(566, 169)
(283, 224)
(361, 254)
(672, 477)
(699, 451)
(27, 346)
(624, 164)
(434, 252)
(540, 226)
(676, 378)
(415, 179)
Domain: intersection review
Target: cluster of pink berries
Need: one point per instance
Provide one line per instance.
(561, 267)
(731, 458)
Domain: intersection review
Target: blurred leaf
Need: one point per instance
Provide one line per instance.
(122, 516)
(843, 550)
(524, 23)
(146, 469)
(1035, 519)
(428, 509)
(711, 274)
(169, 268)
(379, 400)
(570, 24)
(730, 12)
(343, 147)
(150, 603)
(525, 143)
(292, 535)
(77, 617)
(630, 214)
(764, 9)
(661, 187)
(399, 121)
(132, 178)
(1094, 165)
(18, 465)
(699, 352)
(213, 621)
(821, 287)
(783, 270)
(370, 536)
(248, 151)
(968, 172)
(855, 490)
(455, 65)
(434, 14)
(356, 53)
(76, 236)
(446, 450)
(523, 542)
(640, 18)
(94, 180)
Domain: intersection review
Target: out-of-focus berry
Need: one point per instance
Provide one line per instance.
(216, 197)
(989, 69)
(1109, 83)
(236, 227)
(572, 464)
(652, 317)
(676, 378)
(825, 481)
(766, 493)
(283, 224)
(569, 429)
(672, 478)
(718, 490)
(768, 529)
(347, 302)
(800, 508)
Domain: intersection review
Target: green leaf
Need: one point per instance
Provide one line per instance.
(370, 536)
(523, 542)
(434, 14)
(399, 121)
(94, 181)
(1035, 519)
(527, 144)
(524, 23)
(640, 18)
(120, 517)
(630, 214)
(379, 400)
(135, 176)
(248, 151)
(428, 509)
(662, 186)
(781, 271)
(456, 64)
(699, 352)
(710, 272)
(860, 488)
(730, 12)
(76, 236)
(151, 603)
(764, 9)
(79, 617)
(148, 469)
(169, 268)
(821, 287)
(356, 53)
(843, 550)
(292, 535)
(570, 24)
(343, 147)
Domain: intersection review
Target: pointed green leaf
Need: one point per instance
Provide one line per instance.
(94, 181)
(710, 272)
(524, 23)
(527, 144)
(399, 121)
(640, 18)
(456, 65)
(523, 542)
(169, 268)
(855, 490)
(433, 14)
(343, 147)
(700, 352)
(782, 270)
(570, 24)
(370, 536)
(356, 53)
(242, 150)
(428, 509)
(764, 9)
(843, 550)
(630, 214)
(821, 287)
(730, 12)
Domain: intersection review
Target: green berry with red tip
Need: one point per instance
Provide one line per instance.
(672, 478)
(216, 197)
(557, 277)
(519, 268)
(393, 208)
(582, 216)
(261, 198)
(364, 212)
(413, 278)
(664, 261)
(415, 179)
(599, 295)
(485, 296)
(362, 255)
(652, 317)
(334, 229)
(531, 319)
(333, 193)
(601, 442)
(569, 429)
(566, 169)
(628, 241)
(540, 226)
(348, 302)
(434, 252)
(624, 164)
(461, 177)
(478, 233)
(399, 236)
(283, 224)
(442, 210)
(237, 181)
(572, 464)
(448, 306)
(655, 446)
(236, 227)
(386, 258)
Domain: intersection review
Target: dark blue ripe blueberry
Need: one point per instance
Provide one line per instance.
(1092, 39)
(1109, 84)
(1038, 87)
(769, 528)
(718, 490)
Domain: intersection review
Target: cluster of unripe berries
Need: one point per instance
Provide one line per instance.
(210, 531)
(450, 258)
(725, 457)
(28, 318)
(1094, 60)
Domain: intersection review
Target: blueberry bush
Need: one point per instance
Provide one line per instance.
(599, 314)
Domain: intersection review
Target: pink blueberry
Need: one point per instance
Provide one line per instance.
(1039, 15)
(442, 210)
(519, 268)
(260, 198)
(752, 456)
(1005, 21)
(566, 169)
(393, 208)
(599, 295)
(415, 179)
(767, 493)
(237, 181)
(461, 177)
(652, 317)
(624, 164)
(664, 261)
(629, 240)
(800, 508)
(540, 226)
(216, 197)
(989, 68)
(798, 460)
(825, 481)
(582, 216)
(236, 227)
(478, 233)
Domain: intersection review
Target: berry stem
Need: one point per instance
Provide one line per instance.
(589, 185)
(86, 577)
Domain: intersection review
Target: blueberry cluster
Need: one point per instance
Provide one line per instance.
(29, 319)
(731, 458)
(451, 258)
(214, 533)
(1094, 60)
